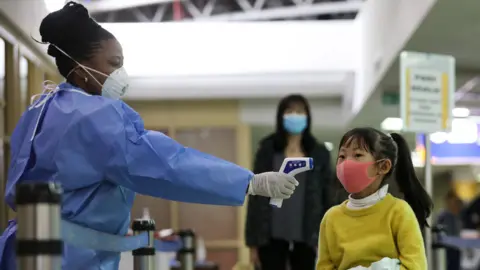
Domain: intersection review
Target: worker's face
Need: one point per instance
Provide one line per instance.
(107, 58)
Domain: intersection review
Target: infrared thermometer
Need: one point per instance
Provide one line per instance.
(293, 166)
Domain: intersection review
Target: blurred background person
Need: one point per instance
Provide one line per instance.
(471, 215)
(277, 236)
(470, 259)
(450, 220)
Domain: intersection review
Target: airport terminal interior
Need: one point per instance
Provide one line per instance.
(210, 74)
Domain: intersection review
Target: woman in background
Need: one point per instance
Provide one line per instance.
(290, 233)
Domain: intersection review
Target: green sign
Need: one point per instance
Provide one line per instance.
(390, 98)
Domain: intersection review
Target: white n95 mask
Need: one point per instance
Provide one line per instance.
(116, 84)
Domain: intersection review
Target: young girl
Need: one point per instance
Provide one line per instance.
(372, 224)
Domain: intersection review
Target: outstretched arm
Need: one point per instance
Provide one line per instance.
(149, 162)
(156, 165)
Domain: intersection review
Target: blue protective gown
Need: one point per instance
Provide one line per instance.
(98, 150)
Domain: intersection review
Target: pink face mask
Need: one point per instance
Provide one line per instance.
(354, 175)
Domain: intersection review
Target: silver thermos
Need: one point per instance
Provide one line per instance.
(186, 254)
(144, 258)
(39, 245)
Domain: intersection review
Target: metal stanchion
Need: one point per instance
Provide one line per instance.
(187, 253)
(439, 252)
(144, 258)
(429, 190)
(39, 244)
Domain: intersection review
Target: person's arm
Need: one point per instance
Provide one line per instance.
(148, 162)
(409, 238)
(324, 260)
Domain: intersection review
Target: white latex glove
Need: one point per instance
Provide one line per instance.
(359, 268)
(275, 185)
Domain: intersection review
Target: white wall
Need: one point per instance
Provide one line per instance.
(26, 14)
(237, 60)
(384, 26)
(222, 48)
(271, 85)
(326, 113)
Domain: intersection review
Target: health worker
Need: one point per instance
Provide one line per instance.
(82, 136)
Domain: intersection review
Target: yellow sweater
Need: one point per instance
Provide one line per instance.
(350, 238)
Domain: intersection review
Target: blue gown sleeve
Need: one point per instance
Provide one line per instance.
(149, 162)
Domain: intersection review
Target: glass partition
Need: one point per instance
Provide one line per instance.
(2, 87)
(2, 70)
(23, 72)
(2, 103)
(3, 145)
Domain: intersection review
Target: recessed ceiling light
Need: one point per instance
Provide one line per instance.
(461, 112)
(392, 124)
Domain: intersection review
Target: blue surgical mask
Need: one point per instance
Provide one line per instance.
(295, 123)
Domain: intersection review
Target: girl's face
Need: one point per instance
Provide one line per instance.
(353, 151)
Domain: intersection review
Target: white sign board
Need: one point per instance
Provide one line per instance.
(427, 88)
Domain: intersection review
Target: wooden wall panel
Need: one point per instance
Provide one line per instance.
(212, 113)
(3, 124)
(159, 210)
(36, 77)
(13, 108)
(220, 142)
(211, 126)
(212, 222)
(12, 83)
(225, 258)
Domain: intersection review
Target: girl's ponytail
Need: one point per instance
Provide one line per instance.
(413, 191)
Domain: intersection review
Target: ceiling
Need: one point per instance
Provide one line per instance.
(223, 10)
(450, 28)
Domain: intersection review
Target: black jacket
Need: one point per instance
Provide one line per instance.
(317, 197)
